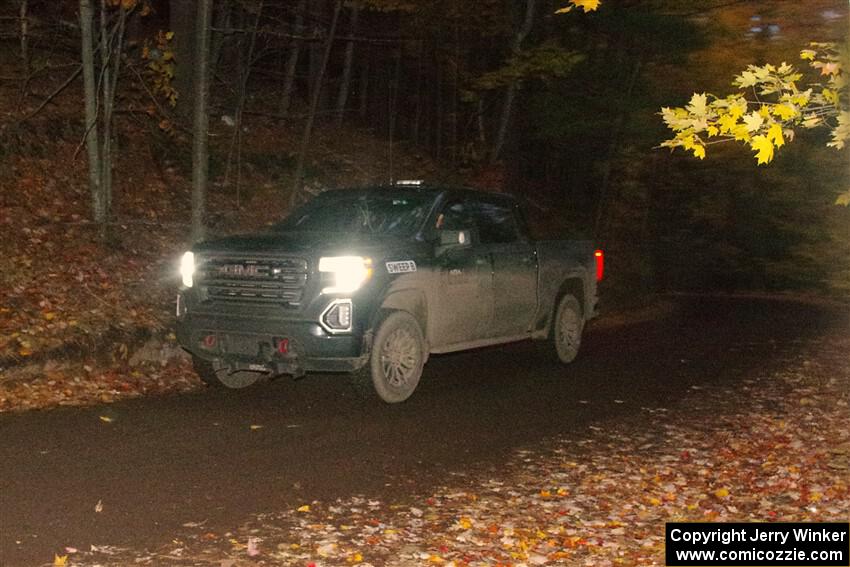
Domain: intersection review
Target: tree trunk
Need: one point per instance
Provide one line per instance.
(111, 42)
(90, 91)
(438, 105)
(363, 88)
(314, 106)
(455, 91)
(292, 59)
(182, 22)
(25, 51)
(200, 155)
(393, 106)
(417, 108)
(510, 94)
(613, 146)
(245, 75)
(345, 82)
(316, 52)
(221, 22)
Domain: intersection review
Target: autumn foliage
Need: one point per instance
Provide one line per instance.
(768, 108)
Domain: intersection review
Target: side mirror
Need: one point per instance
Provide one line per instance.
(452, 239)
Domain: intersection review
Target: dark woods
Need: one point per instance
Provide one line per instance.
(503, 95)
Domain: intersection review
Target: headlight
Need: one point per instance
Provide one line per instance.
(348, 272)
(187, 268)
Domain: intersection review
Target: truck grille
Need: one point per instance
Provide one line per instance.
(277, 281)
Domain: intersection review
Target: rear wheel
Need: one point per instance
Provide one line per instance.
(567, 329)
(397, 357)
(217, 374)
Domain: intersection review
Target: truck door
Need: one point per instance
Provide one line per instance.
(514, 263)
(463, 308)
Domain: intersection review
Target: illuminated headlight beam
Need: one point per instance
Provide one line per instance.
(348, 272)
(187, 269)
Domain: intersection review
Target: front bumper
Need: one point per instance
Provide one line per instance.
(250, 343)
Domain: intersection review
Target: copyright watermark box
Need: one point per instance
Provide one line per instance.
(694, 544)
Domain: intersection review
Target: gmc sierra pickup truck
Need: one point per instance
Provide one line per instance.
(377, 279)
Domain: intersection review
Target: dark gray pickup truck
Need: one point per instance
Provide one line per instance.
(377, 279)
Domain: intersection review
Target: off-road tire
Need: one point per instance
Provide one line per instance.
(398, 355)
(567, 328)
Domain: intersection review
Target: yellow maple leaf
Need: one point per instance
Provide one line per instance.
(304, 508)
(60, 560)
(727, 123)
(764, 152)
(784, 111)
(699, 151)
(830, 96)
(807, 54)
(774, 134)
(698, 104)
(722, 492)
(741, 133)
(843, 199)
(586, 5)
(753, 121)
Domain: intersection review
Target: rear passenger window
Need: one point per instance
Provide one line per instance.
(496, 222)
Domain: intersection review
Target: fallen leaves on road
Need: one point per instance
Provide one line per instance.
(66, 384)
(749, 453)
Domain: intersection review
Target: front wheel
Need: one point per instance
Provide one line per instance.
(397, 357)
(567, 328)
(216, 374)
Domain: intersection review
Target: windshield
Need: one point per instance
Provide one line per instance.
(395, 215)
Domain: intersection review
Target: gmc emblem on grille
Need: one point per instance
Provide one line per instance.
(239, 270)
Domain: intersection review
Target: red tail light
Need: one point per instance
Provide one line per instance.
(282, 346)
(599, 256)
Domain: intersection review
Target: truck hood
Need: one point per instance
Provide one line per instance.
(307, 243)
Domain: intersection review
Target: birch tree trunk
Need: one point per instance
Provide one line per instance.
(510, 94)
(90, 96)
(200, 155)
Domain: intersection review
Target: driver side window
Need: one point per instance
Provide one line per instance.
(454, 216)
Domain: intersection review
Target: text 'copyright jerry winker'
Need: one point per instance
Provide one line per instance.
(694, 544)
